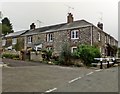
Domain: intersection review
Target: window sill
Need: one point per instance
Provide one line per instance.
(29, 42)
(49, 41)
(14, 43)
(74, 38)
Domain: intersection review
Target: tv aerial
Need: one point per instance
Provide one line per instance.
(39, 23)
(69, 8)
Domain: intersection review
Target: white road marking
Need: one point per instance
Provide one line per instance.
(50, 90)
(74, 79)
(89, 73)
(98, 70)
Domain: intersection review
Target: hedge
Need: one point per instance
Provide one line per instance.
(10, 56)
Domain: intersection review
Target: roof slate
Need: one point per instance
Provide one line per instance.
(15, 34)
(59, 27)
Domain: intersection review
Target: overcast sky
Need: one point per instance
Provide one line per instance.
(22, 14)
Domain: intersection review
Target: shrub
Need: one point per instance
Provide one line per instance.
(19, 45)
(56, 62)
(87, 53)
(65, 55)
(10, 56)
(47, 54)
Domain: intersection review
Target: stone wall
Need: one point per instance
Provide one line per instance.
(36, 56)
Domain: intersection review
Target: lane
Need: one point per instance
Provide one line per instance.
(100, 81)
(52, 78)
(38, 78)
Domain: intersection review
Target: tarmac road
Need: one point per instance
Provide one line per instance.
(51, 78)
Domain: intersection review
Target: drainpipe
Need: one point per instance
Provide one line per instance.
(91, 31)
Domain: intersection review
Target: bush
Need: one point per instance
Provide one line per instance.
(87, 53)
(10, 56)
(56, 62)
(47, 54)
(65, 55)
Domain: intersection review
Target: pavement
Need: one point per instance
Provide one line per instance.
(44, 78)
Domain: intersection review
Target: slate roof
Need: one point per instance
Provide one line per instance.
(59, 27)
(75, 24)
(43, 29)
(15, 34)
(51, 28)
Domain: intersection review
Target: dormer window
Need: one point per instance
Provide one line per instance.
(74, 34)
(50, 37)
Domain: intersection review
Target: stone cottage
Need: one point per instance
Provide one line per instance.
(9, 41)
(73, 32)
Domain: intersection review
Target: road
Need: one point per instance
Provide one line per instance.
(96, 81)
(51, 78)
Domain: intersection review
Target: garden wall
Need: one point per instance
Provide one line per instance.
(36, 56)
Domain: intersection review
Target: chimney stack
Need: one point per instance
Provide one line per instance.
(70, 18)
(32, 26)
(100, 25)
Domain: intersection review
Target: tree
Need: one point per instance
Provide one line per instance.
(6, 26)
(19, 45)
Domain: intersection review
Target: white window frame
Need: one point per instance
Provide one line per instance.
(99, 36)
(3, 42)
(105, 38)
(109, 40)
(50, 37)
(75, 34)
(29, 39)
(72, 49)
(14, 41)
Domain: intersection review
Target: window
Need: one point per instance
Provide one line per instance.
(75, 34)
(105, 39)
(73, 49)
(50, 37)
(3, 42)
(109, 40)
(98, 36)
(29, 39)
(14, 41)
